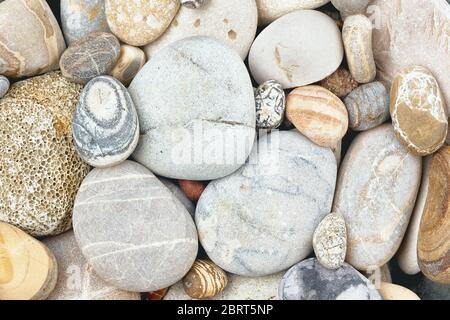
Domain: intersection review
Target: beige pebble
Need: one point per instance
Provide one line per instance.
(341, 82)
(131, 60)
(204, 280)
(391, 291)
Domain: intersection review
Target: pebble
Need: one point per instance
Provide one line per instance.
(179, 194)
(418, 111)
(330, 241)
(193, 4)
(204, 280)
(357, 37)
(309, 280)
(433, 246)
(340, 82)
(76, 278)
(192, 189)
(131, 230)
(376, 191)
(41, 170)
(185, 139)
(138, 23)
(379, 275)
(105, 123)
(429, 290)
(350, 7)
(4, 86)
(131, 60)
(28, 270)
(158, 294)
(318, 114)
(260, 220)
(368, 106)
(232, 22)
(31, 39)
(90, 57)
(81, 17)
(270, 105)
(312, 57)
(391, 291)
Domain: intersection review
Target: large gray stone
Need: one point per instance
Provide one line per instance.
(179, 194)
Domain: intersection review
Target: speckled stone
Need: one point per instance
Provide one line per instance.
(193, 4)
(4, 86)
(270, 105)
(179, 194)
(309, 280)
(418, 111)
(131, 60)
(105, 123)
(350, 7)
(81, 17)
(376, 191)
(131, 230)
(76, 278)
(341, 83)
(260, 220)
(185, 139)
(89, 57)
(391, 291)
(40, 170)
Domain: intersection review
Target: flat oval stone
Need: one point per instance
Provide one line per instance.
(140, 22)
(4, 86)
(311, 58)
(376, 191)
(270, 105)
(105, 123)
(340, 82)
(391, 291)
(260, 220)
(131, 60)
(196, 110)
(232, 22)
(131, 230)
(90, 57)
(309, 280)
(418, 111)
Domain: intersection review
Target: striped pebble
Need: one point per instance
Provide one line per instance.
(204, 280)
(131, 60)
(318, 114)
(4, 86)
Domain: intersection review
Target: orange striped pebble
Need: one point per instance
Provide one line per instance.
(204, 280)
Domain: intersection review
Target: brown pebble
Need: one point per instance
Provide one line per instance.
(204, 280)
(158, 294)
(341, 82)
(192, 189)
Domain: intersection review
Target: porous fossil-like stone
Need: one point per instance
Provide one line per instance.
(270, 105)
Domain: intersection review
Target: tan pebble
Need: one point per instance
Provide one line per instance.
(391, 291)
(131, 60)
(357, 36)
(318, 114)
(28, 270)
(341, 83)
(192, 189)
(204, 280)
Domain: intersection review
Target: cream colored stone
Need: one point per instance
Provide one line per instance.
(131, 60)
(391, 291)
(350, 7)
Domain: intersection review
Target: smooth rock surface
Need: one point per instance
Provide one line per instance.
(429, 290)
(270, 105)
(130, 228)
(376, 191)
(193, 4)
(391, 291)
(316, 53)
(196, 110)
(179, 194)
(204, 280)
(131, 60)
(260, 220)
(192, 189)
(350, 7)
(4, 86)
(341, 83)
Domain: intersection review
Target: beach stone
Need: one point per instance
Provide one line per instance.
(204, 280)
(433, 245)
(318, 114)
(31, 41)
(260, 220)
(391, 291)
(179, 194)
(76, 278)
(367, 106)
(429, 290)
(270, 105)
(311, 58)
(350, 7)
(138, 23)
(232, 22)
(90, 57)
(81, 17)
(105, 123)
(193, 4)
(379, 275)
(192, 189)
(131, 60)
(40, 168)
(131, 230)
(340, 82)
(309, 280)
(4, 86)
(330, 241)
(412, 32)
(418, 111)
(376, 191)
(185, 139)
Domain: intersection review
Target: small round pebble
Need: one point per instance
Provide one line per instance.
(192, 189)
(341, 82)
(270, 105)
(4, 86)
(204, 280)
(131, 60)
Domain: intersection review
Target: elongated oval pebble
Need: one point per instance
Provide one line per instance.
(131, 60)
(270, 105)
(4, 86)
(391, 291)
(341, 83)
(357, 37)
(204, 280)
(28, 270)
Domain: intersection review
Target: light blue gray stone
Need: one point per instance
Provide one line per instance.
(4, 86)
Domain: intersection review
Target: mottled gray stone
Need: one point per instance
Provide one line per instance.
(309, 280)
(105, 124)
(179, 194)
(4, 86)
(131, 229)
(270, 105)
(260, 220)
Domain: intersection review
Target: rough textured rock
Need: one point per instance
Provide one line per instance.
(4, 86)
(350, 7)
(309, 280)
(31, 41)
(81, 17)
(28, 270)
(270, 105)
(376, 191)
(391, 291)
(130, 228)
(179, 194)
(105, 123)
(316, 53)
(40, 170)
(429, 290)
(418, 111)
(204, 280)
(433, 246)
(232, 22)
(260, 220)
(131, 60)
(185, 139)
(192, 189)
(90, 57)
(341, 83)
(76, 278)
(140, 22)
